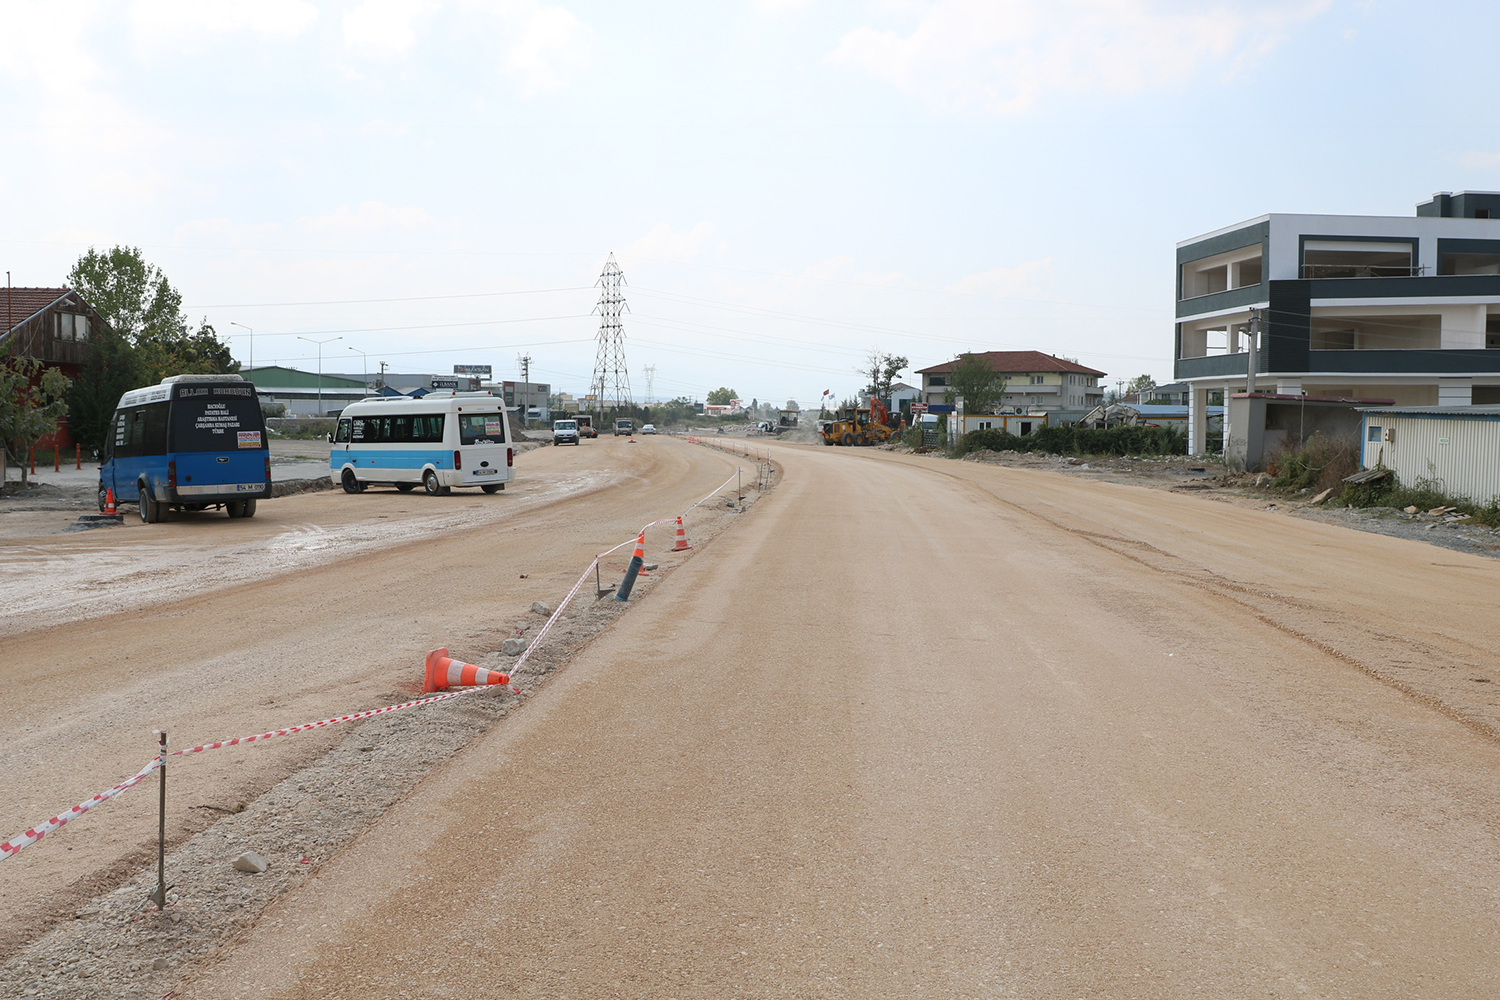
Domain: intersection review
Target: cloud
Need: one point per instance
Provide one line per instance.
(383, 28)
(1003, 282)
(1479, 161)
(547, 46)
(1001, 56)
(186, 22)
(369, 218)
(665, 243)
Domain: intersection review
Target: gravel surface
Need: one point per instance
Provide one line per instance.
(928, 729)
(119, 945)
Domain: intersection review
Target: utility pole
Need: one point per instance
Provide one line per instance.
(523, 391)
(1253, 334)
(320, 343)
(252, 341)
(611, 382)
(380, 379)
(650, 377)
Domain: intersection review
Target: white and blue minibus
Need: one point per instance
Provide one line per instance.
(189, 443)
(438, 441)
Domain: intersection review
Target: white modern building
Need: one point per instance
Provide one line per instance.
(1405, 308)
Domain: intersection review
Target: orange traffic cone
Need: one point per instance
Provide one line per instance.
(445, 672)
(109, 501)
(682, 542)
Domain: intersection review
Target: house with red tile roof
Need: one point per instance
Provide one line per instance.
(55, 326)
(1034, 381)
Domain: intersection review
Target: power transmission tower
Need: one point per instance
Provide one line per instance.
(650, 377)
(611, 382)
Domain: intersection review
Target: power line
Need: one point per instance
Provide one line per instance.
(357, 302)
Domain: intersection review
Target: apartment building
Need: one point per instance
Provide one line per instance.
(1033, 381)
(1405, 308)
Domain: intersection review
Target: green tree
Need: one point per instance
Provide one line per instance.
(1139, 384)
(149, 337)
(881, 370)
(981, 387)
(722, 396)
(31, 403)
(110, 372)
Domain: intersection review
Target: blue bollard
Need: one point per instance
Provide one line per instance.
(631, 572)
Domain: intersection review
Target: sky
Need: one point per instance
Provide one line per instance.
(788, 185)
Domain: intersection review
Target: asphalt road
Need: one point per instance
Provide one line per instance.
(918, 728)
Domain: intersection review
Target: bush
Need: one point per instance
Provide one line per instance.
(1319, 463)
(1080, 441)
(1424, 494)
(301, 428)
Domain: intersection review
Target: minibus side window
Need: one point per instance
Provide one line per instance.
(128, 433)
(154, 428)
(342, 437)
(427, 428)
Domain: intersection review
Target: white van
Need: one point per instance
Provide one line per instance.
(440, 440)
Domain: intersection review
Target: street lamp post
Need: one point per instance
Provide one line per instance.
(365, 363)
(252, 340)
(320, 343)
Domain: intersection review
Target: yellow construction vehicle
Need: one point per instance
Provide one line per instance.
(857, 426)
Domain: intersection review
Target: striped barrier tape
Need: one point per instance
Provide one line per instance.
(21, 841)
(16, 844)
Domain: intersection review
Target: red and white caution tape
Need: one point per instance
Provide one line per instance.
(16, 844)
(20, 842)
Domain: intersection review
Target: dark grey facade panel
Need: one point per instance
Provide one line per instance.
(1432, 286)
(1463, 205)
(1217, 365)
(1468, 246)
(1235, 239)
(1287, 331)
(1234, 298)
(1461, 362)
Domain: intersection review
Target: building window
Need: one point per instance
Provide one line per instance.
(937, 380)
(70, 326)
(1373, 434)
(1351, 259)
(1038, 379)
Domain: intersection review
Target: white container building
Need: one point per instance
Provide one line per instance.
(1455, 449)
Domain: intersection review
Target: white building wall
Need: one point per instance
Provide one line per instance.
(1458, 453)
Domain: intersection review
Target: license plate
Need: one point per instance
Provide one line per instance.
(486, 472)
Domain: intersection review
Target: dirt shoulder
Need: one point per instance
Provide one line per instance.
(1214, 481)
(297, 805)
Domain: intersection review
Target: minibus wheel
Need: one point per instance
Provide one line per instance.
(103, 497)
(150, 509)
(493, 487)
(351, 482)
(430, 483)
(406, 487)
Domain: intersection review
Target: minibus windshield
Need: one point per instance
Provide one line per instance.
(216, 418)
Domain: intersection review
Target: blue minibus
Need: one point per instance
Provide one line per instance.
(190, 443)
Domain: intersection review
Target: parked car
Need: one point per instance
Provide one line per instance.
(648, 429)
(564, 432)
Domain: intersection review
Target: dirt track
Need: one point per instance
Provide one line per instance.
(210, 628)
(913, 728)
